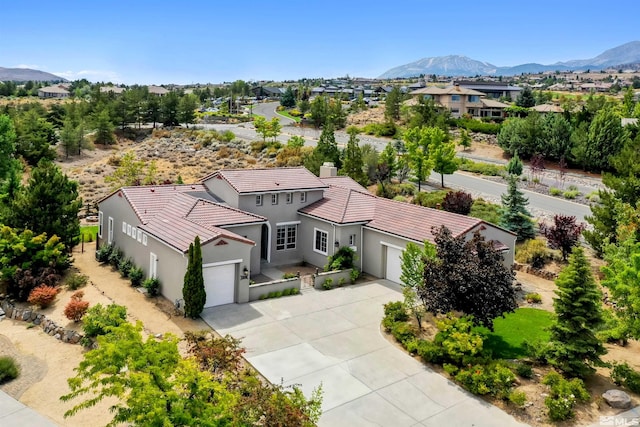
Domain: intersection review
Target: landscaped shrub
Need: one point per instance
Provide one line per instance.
(76, 308)
(152, 285)
(495, 379)
(342, 281)
(477, 126)
(328, 284)
(100, 318)
(555, 191)
(523, 369)
(289, 275)
(104, 253)
(355, 273)
(533, 298)
(124, 267)
(136, 274)
(9, 369)
(563, 396)
(76, 281)
(571, 194)
(343, 259)
(622, 374)
(115, 256)
(484, 210)
(518, 398)
(462, 344)
(458, 202)
(430, 199)
(534, 252)
(396, 311)
(487, 169)
(403, 332)
(429, 352)
(43, 296)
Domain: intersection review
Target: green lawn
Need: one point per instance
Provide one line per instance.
(530, 324)
(286, 114)
(89, 232)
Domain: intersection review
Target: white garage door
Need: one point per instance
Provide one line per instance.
(393, 270)
(219, 283)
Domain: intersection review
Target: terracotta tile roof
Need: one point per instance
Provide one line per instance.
(343, 181)
(268, 179)
(148, 200)
(345, 205)
(176, 214)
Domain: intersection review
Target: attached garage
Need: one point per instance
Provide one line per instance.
(393, 268)
(219, 284)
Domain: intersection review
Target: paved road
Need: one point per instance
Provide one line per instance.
(333, 338)
(268, 110)
(489, 189)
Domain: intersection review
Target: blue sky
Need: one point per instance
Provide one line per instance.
(139, 41)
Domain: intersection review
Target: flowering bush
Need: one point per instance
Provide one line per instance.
(76, 308)
(564, 396)
(43, 295)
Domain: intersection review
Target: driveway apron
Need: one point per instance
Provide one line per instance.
(333, 339)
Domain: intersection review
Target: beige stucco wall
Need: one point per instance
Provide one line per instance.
(251, 232)
(374, 258)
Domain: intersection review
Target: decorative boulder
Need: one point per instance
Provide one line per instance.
(617, 399)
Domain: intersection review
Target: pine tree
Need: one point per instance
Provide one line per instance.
(514, 215)
(193, 291)
(514, 167)
(325, 151)
(574, 347)
(352, 163)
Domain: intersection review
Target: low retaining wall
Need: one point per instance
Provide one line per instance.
(48, 326)
(259, 289)
(526, 268)
(319, 279)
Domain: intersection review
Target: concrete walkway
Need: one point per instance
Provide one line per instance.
(14, 413)
(333, 338)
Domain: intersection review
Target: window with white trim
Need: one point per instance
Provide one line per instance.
(289, 197)
(100, 220)
(139, 235)
(303, 197)
(144, 239)
(274, 199)
(128, 229)
(352, 239)
(124, 227)
(320, 241)
(258, 199)
(286, 237)
(134, 233)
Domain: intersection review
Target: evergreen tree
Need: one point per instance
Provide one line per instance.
(514, 215)
(7, 147)
(187, 109)
(573, 346)
(352, 163)
(193, 291)
(514, 167)
(169, 109)
(326, 151)
(526, 98)
(34, 137)
(465, 139)
(392, 105)
(103, 126)
(389, 156)
(49, 204)
(605, 139)
(288, 98)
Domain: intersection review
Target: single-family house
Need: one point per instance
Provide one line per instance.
(55, 91)
(462, 101)
(491, 89)
(157, 90)
(251, 218)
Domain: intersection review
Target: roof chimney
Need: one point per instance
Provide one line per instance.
(328, 170)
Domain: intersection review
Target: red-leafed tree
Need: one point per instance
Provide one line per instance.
(563, 234)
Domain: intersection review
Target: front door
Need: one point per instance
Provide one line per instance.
(264, 243)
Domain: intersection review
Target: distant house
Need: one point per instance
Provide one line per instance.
(157, 90)
(261, 92)
(494, 90)
(547, 108)
(250, 219)
(55, 91)
(112, 89)
(462, 101)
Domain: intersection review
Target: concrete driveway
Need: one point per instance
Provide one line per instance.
(333, 338)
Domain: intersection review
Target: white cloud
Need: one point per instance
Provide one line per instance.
(30, 66)
(91, 75)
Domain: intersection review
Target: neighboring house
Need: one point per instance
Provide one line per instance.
(493, 90)
(112, 89)
(261, 92)
(462, 101)
(55, 91)
(251, 218)
(157, 90)
(547, 108)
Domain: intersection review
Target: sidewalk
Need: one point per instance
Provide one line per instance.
(14, 413)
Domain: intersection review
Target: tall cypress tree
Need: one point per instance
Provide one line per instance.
(514, 215)
(193, 291)
(574, 348)
(352, 162)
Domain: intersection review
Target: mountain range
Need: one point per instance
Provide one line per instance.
(26, 74)
(458, 65)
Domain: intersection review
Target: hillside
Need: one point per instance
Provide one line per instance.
(457, 65)
(26, 74)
